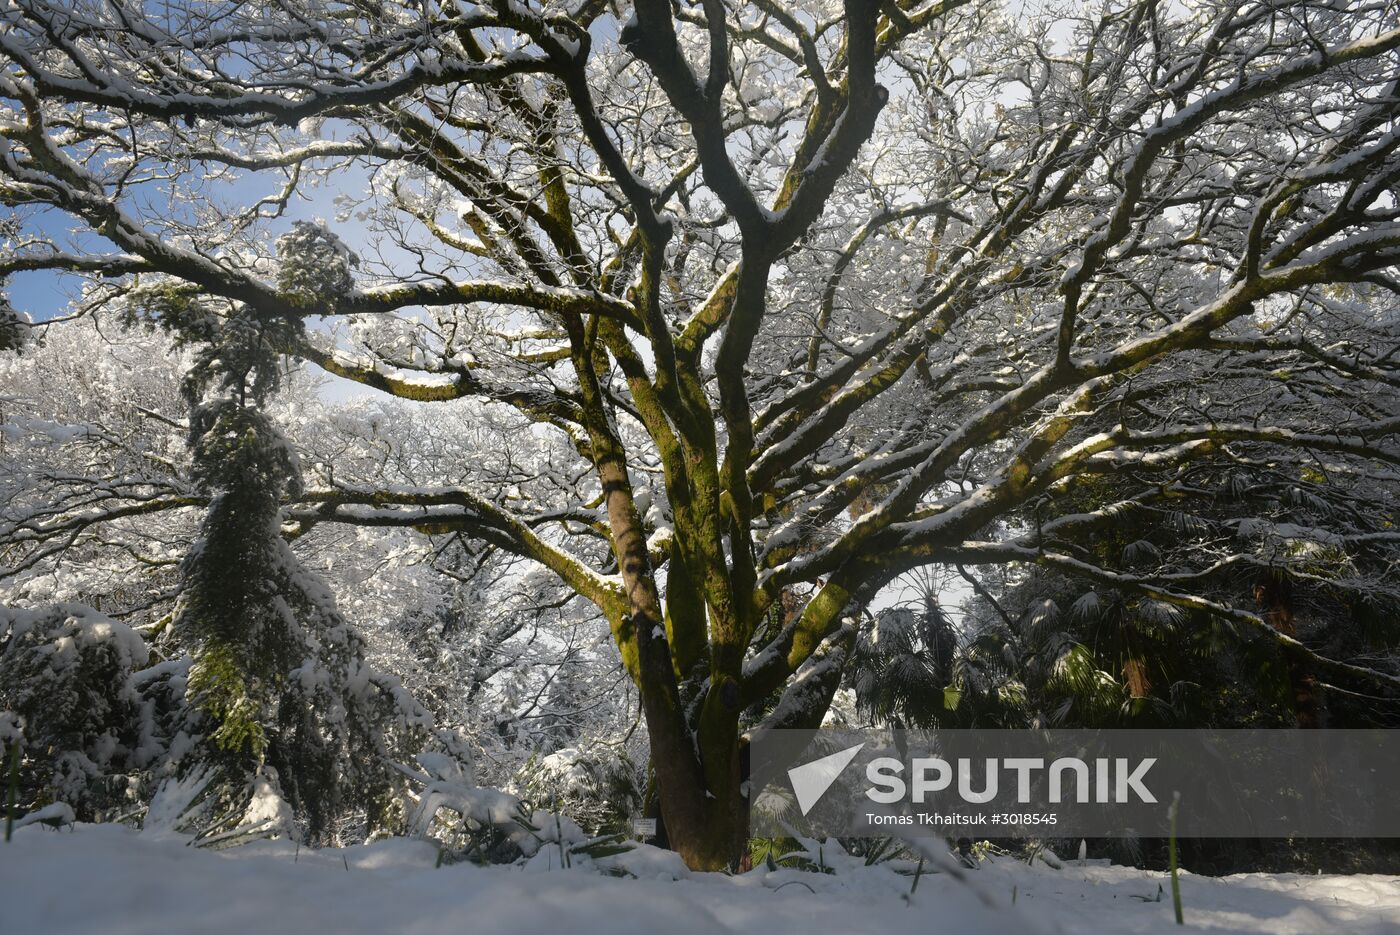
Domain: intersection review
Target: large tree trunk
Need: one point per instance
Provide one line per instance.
(697, 799)
(696, 767)
(705, 824)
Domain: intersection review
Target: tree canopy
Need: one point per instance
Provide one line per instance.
(787, 299)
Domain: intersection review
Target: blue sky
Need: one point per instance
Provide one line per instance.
(44, 295)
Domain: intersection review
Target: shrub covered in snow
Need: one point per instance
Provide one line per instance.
(489, 826)
(600, 786)
(66, 676)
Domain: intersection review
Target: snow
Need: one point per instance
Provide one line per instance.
(81, 628)
(481, 806)
(122, 881)
(267, 810)
(56, 813)
(172, 800)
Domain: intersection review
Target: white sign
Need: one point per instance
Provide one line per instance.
(644, 827)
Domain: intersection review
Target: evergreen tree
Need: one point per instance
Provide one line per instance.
(277, 673)
(14, 326)
(279, 690)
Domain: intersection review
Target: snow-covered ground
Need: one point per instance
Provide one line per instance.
(108, 880)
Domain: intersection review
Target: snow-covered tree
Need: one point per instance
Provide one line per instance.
(278, 675)
(781, 300)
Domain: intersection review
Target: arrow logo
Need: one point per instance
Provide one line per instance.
(811, 780)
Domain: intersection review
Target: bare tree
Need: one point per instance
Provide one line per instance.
(802, 296)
